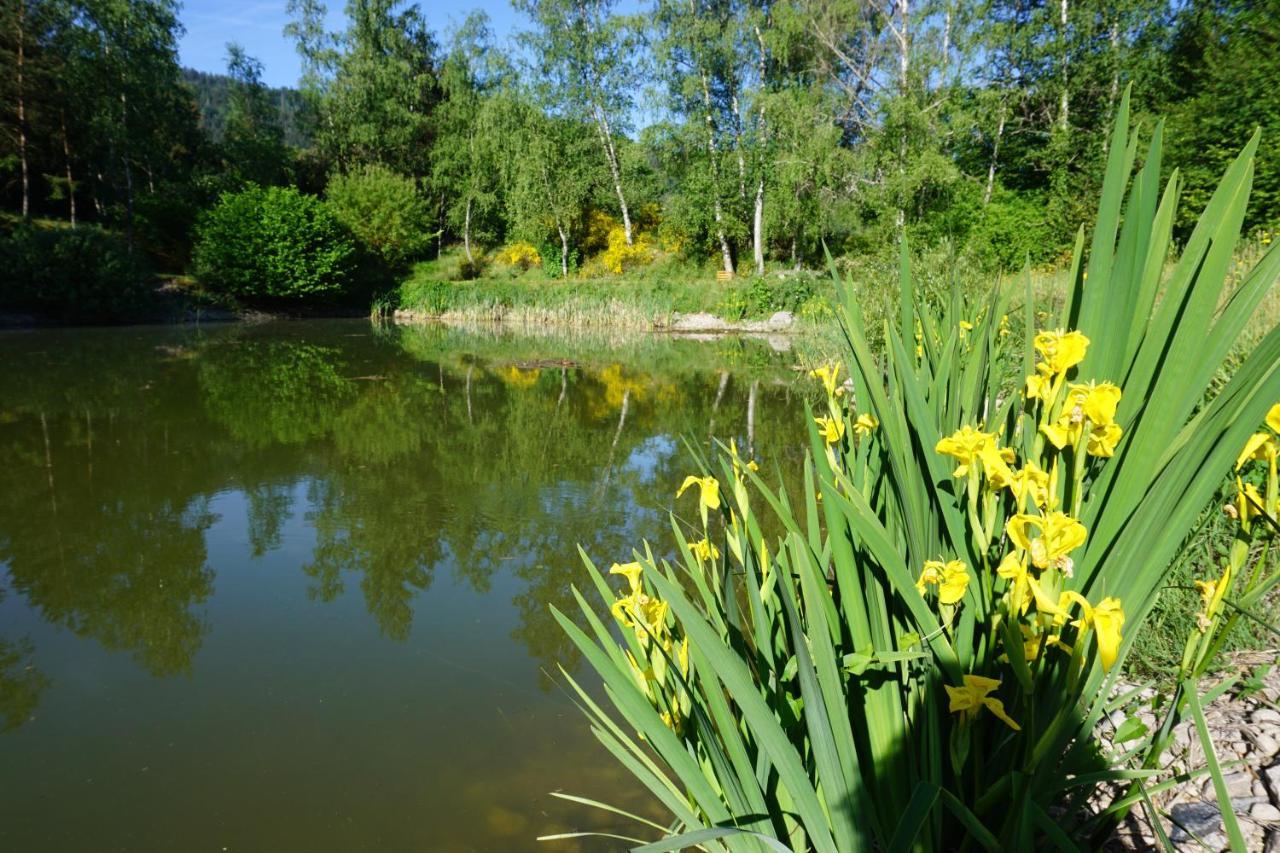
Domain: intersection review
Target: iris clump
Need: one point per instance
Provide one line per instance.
(914, 649)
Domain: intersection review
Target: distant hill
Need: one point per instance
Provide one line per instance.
(213, 93)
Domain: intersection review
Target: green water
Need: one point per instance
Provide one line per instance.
(285, 587)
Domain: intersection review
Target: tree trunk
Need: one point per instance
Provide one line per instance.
(128, 170)
(22, 111)
(902, 34)
(717, 212)
(762, 139)
(66, 157)
(946, 44)
(1064, 104)
(564, 252)
(615, 171)
(466, 233)
(757, 227)
(995, 153)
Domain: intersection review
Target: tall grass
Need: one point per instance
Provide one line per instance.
(915, 652)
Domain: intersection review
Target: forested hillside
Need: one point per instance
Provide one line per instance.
(734, 133)
(214, 94)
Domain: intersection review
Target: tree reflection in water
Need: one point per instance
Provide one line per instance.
(419, 450)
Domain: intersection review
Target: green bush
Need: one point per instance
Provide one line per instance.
(384, 210)
(275, 243)
(73, 275)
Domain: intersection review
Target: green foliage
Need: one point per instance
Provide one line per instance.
(75, 275)
(798, 677)
(274, 243)
(384, 210)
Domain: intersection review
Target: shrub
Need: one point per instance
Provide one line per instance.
(384, 210)
(619, 257)
(73, 274)
(920, 648)
(274, 244)
(521, 254)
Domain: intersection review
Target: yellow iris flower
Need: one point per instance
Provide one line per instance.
(1249, 503)
(1031, 481)
(1261, 445)
(865, 424)
(1106, 620)
(831, 429)
(630, 571)
(1061, 350)
(1059, 535)
(829, 374)
(965, 445)
(705, 550)
(951, 578)
(1098, 401)
(1014, 569)
(708, 493)
(1273, 418)
(1103, 440)
(971, 698)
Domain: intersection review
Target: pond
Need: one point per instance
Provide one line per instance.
(286, 586)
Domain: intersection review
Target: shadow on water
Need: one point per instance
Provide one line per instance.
(208, 505)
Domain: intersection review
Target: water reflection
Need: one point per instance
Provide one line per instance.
(143, 471)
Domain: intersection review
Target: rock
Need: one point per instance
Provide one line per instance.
(1262, 742)
(1273, 842)
(1272, 777)
(1265, 716)
(1239, 784)
(781, 320)
(699, 322)
(1194, 820)
(1265, 813)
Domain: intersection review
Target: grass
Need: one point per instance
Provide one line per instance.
(645, 298)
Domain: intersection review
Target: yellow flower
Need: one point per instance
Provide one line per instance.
(1032, 481)
(951, 579)
(1273, 418)
(1014, 569)
(1249, 503)
(865, 424)
(1004, 325)
(972, 697)
(1059, 535)
(1097, 400)
(831, 429)
(705, 550)
(1211, 594)
(1103, 440)
(646, 615)
(1040, 384)
(708, 493)
(966, 326)
(1065, 432)
(1108, 620)
(630, 571)
(1261, 445)
(1061, 350)
(829, 374)
(965, 445)
(995, 464)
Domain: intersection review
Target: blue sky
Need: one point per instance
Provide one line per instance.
(258, 26)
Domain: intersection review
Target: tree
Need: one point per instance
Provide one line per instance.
(253, 139)
(585, 55)
(465, 161)
(375, 83)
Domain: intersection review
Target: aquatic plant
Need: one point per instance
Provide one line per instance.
(924, 650)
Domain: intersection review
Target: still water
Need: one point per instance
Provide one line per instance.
(286, 587)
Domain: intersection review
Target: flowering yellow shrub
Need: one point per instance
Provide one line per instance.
(520, 254)
(619, 256)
